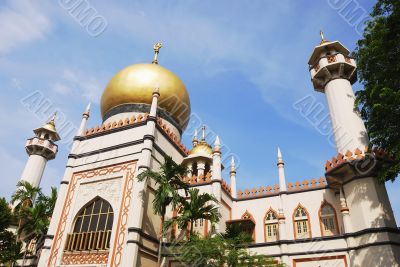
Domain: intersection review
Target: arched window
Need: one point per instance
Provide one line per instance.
(92, 227)
(271, 226)
(327, 217)
(301, 223)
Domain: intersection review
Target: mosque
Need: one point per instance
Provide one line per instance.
(103, 215)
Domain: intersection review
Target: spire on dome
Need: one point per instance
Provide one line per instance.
(323, 41)
(156, 48)
(49, 128)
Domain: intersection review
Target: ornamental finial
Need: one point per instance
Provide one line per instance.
(53, 118)
(156, 48)
(203, 133)
(321, 33)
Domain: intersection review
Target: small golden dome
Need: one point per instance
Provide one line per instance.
(135, 85)
(201, 148)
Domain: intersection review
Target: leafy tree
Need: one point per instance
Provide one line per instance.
(198, 206)
(228, 249)
(49, 201)
(168, 182)
(5, 214)
(378, 57)
(33, 210)
(10, 248)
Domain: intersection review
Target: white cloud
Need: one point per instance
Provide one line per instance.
(80, 84)
(21, 23)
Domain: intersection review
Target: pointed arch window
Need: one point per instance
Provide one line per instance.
(92, 227)
(328, 220)
(271, 226)
(301, 221)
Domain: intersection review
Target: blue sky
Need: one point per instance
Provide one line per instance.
(244, 64)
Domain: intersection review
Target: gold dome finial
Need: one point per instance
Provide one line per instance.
(321, 33)
(52, 121)
(156, 48)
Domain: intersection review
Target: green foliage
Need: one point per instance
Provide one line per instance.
(25, 195)
(10, 248)
(196, 207)
(33, 210)
(378, 57)
(168, 181)
(229, 249)
(5, 214)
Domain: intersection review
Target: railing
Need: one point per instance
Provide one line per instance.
(86, 241)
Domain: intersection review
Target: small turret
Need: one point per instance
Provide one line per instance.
(233, 178)
(40, 149)
(281, 172)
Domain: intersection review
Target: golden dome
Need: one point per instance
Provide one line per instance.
(135, 85)
(201, 148)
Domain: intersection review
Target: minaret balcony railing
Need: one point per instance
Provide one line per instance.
(41, 146)
(331, 60)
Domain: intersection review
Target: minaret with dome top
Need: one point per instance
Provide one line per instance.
(40, 149)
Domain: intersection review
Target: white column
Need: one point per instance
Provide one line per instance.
(233, 178)
(216, 165)
(201, 166)
(344, 210)
(217, 175)
(281, 172)
(348, 127)
(139, 188)
(85, 117)
(34, 169)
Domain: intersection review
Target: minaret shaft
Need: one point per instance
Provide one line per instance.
(34, 169)
(347, 126)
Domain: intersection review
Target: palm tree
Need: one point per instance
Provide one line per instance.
(196, 207)
(49, 201)
(168, 182)
(33, 211)
(25, 195)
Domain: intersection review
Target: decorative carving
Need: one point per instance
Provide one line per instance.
(129, 169)
(85, 258)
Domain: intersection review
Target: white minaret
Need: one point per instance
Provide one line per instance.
(233, 178)
(281, 172)
(40, 149)
(333, 72)
(85, 117)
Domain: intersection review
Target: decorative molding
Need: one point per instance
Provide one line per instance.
(129, 169)
(85, 258)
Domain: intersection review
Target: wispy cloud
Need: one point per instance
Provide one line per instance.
(21, 23)
(78, 83)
